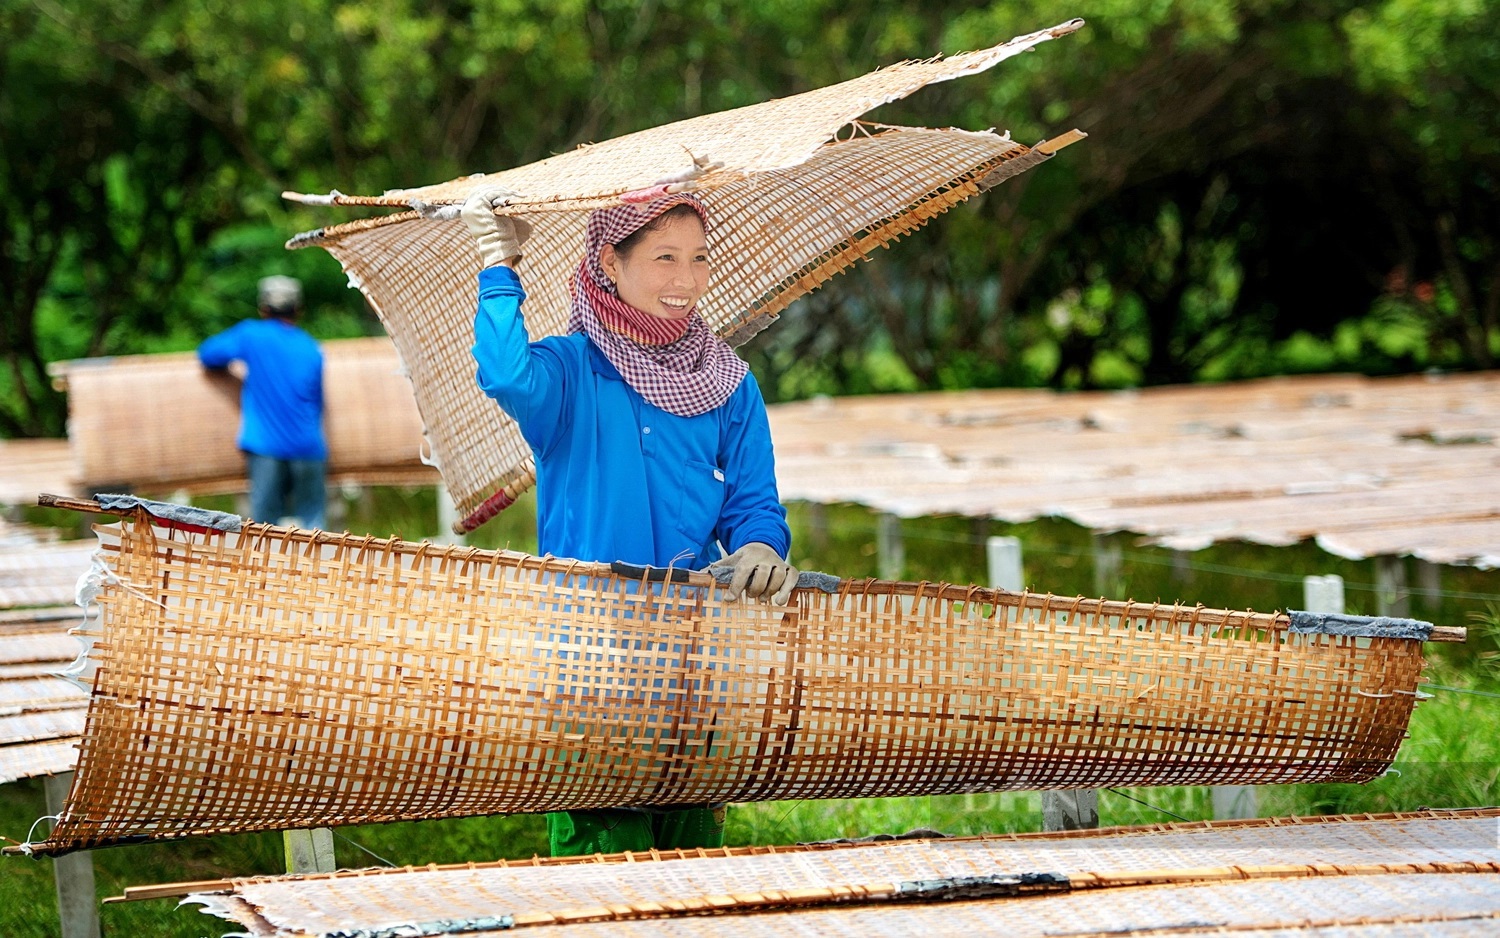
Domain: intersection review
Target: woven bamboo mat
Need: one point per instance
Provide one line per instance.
(42, 574)
(272, 678)
(1366, 466)
(1341, 872)
(804, 190)
(41, 715)
(29, 467)
(119, 439)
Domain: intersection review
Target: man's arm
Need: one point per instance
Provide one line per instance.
(218, 351)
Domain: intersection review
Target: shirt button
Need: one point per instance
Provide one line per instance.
(645, 429)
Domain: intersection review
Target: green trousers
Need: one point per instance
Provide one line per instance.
(576, 833)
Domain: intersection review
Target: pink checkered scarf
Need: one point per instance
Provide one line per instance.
(678, 365)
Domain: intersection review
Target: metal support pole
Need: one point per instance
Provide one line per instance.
(889, 547)
(77, 909)
(309, 851)
(1392, 598)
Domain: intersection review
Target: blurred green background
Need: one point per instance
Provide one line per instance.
(1269, 187)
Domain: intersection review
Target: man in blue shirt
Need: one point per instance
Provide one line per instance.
(281, 405)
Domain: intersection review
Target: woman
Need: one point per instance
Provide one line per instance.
(649, 433)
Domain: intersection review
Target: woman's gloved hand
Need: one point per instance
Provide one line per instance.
(757, 571)
(499, 237)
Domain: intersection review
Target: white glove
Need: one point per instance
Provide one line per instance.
(757, 571)
(499, 237)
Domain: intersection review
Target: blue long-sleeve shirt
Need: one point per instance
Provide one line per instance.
(281, 403)
(617, 477)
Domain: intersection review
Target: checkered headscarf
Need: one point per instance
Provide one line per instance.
(678, 365)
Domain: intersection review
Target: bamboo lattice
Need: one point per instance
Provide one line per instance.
(274, 678)
(41, 714)
(164, 422)
(1367, 467)
(41, 573)
(1348, 871)
(804, 191)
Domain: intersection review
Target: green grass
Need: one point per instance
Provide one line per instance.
(1452, 758)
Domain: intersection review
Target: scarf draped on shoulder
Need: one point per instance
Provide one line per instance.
(678, 365)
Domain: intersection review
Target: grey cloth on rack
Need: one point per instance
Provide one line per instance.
(1335, 623)
(167, 511)
(806, 579)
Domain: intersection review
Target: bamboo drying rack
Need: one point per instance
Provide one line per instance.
(271, 678)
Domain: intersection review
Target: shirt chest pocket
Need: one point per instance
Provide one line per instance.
(701, 489)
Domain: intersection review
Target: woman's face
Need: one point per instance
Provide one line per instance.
(666, 272)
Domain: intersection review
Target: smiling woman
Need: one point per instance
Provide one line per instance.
(662, 269)
(649, 434)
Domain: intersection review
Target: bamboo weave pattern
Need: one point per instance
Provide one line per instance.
(804, 192)
(274, 678)
(1342, 871)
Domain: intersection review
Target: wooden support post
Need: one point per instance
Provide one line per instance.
(1004, 555)
(1108, 563)
(1070, 810)
(447, 513)
(309, 851)
(336, 515)
(77, 909)
(1234, 801)
(1430, 585)
(889, 547)
(1182, 569)
(1323, 593)
(1391, 595)
(817, 526)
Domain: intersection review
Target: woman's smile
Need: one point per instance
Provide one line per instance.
(665, 273)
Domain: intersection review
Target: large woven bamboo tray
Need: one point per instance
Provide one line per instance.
(799, 189)
(266, 678)
(163, 422)
(1426, 869)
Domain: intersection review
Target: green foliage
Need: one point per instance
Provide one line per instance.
(1259, 173)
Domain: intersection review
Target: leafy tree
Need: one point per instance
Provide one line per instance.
(1258, 170)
